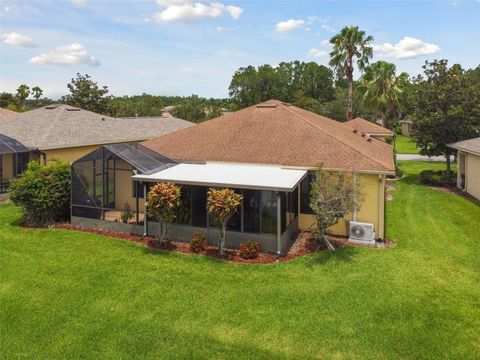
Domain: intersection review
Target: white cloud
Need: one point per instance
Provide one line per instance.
(289, 25)
(17, 39)
(317, 53)
(73, 54)
(406, 48)
(187, 10)
(223, 28)
(79, 2)
(328, 28)
(7, 8)
(326, 42)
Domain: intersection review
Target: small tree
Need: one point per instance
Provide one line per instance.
(162, 201)
(43, 192)
(333, 195)
(222, 204)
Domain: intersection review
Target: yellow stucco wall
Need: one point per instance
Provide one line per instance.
(124, 187)
(7, 167)
(68, 155)
(472, 174)
(371, 210)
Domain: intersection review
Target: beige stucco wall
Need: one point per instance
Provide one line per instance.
(371, 211)
(68, 155)
(472, 174)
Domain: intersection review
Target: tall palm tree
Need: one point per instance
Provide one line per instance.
(348, 44)
(382, 88)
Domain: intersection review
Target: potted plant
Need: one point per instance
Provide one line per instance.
(126, 214)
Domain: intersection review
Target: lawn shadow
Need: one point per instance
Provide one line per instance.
(343, 255)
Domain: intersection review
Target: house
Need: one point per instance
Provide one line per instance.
(369, 128)
(406, 127)
(6, 112)
(265, 152)
(68, 133)
(468, 166)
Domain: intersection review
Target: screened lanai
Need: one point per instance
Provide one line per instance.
(102, 186)
(14, 157)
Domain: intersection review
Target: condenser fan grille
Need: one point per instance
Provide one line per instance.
(358, 231)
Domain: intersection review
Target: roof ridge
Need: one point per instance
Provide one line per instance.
(288, 108)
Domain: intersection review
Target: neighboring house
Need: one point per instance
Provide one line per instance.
(406, 127)
(369, 128)
(468, 166)
(265, 152)
(68, 133)
(14, 157)
(6, 112)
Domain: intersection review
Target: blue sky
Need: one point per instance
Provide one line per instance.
(184, 47)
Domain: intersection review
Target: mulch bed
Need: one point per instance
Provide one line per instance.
(302, 245)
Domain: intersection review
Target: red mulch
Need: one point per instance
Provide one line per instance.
(303, 244)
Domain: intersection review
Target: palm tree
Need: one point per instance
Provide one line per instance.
(37, 92)
(23, 92)
(350, 43)
(382, 89)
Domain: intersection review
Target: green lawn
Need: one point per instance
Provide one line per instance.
(66, 294)
(405, 145)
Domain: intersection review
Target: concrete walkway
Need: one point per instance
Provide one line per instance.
(419, 157)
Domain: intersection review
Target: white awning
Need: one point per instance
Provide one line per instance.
(244, 176)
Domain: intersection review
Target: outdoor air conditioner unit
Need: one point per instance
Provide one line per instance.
(362, 233)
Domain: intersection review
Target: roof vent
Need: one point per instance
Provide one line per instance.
(267, 105)
(50, 107)
(73, 109)
(369, 139)
(355, 131)
(363, 134)
(103, 119)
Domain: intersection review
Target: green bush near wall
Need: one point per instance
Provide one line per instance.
(43, 192)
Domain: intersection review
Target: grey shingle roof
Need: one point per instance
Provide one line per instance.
(472, 145)
(58, 126)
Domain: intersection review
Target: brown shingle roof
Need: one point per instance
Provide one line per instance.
(277, 133)
(368, 127)
(472, 145)
(6, 112)
(59, 126)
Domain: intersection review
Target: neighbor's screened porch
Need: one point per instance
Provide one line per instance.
(102, 186)
(14, 157)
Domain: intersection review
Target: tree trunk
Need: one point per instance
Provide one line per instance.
(161, 233)
(350, 89)
(221, 241)
(384, 120)
(448, 171)
(350, 99)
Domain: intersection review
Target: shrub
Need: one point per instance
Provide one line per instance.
(389, 140)
(249, 249)
(162, 202)
(43, 192)
(127, 213)
(199, 242)
(436, 178)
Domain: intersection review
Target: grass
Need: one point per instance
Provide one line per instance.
(405, 145)
(66, 294)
